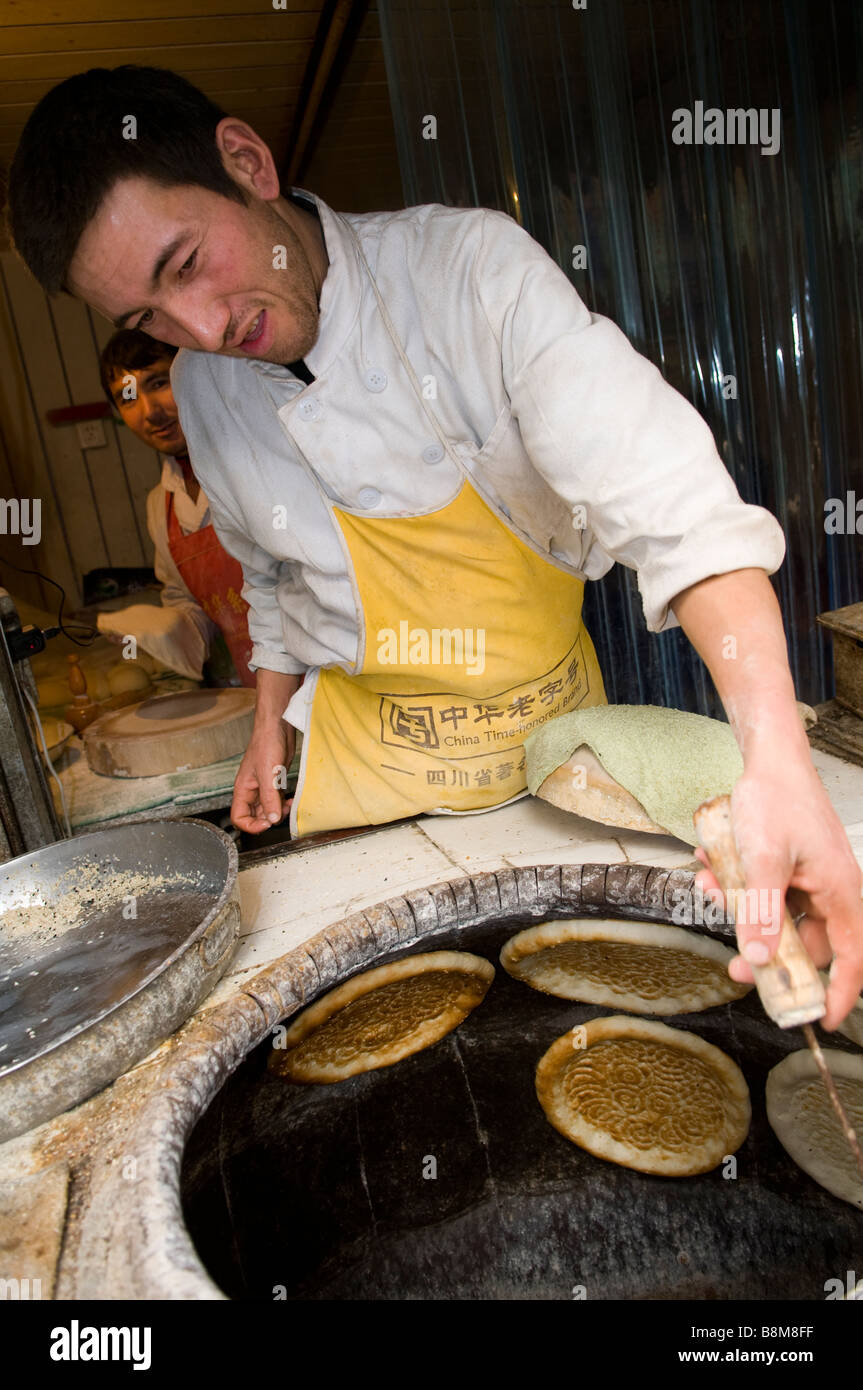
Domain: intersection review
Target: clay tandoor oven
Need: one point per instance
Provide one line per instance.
(440, 1177)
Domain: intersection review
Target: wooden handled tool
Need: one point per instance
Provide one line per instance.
(789, 985)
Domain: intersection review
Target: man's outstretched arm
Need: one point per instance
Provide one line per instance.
(258, 801)
(787, 831)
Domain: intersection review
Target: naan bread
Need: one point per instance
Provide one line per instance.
(806, 1125)
(582, 785)
(381, 1016)
(644, 967)
(644, 1095)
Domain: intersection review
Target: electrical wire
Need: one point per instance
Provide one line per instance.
(53, 771)
(82, 627)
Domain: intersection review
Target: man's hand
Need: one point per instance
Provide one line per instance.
(791, 840)
(788, 834)
(259, 801)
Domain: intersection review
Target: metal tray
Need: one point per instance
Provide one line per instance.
(108, 942)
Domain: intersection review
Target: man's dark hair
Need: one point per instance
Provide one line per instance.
(73, 150)
(130, 350)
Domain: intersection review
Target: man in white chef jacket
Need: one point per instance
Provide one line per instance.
(412, 418)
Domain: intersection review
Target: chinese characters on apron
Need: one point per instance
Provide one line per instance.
(416, 729)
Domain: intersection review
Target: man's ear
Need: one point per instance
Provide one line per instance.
(247, 159)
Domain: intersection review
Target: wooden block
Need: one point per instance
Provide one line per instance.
(846, 626)
(839, 731)
(171, 733)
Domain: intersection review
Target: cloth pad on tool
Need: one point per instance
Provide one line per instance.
(668, 759)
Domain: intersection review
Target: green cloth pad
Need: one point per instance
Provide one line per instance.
(667, 759)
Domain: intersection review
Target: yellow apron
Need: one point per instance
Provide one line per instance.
(470, 639)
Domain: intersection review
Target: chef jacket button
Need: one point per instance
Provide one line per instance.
(309, 410)
(375, 380)
(368, 497)
(433, 453)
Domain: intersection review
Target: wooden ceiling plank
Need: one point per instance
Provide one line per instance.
(342, 125)
(282, 97)
(151, 33)
(32, 89)
(378, 143)
(51, 12)
(57, 66)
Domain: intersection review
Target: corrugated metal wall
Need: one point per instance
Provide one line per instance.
(717, 260)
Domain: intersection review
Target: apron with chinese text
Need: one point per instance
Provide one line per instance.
(463, 659)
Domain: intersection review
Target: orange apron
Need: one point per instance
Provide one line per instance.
(215, 580)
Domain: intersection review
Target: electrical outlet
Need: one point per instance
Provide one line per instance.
(91, 434)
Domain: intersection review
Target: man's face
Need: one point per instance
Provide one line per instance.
(196, 269)
(146, 402)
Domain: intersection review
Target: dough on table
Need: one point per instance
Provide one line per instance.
(644, 967)
(644, 1095)
(52, 692)
(806, 1125)
(128, 676)
(381, 1016)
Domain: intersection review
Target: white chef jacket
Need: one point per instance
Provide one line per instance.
(555, 417)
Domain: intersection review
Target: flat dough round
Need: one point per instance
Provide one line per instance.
(582, 785)
(127, 676)
(381, 1016)
(645, 1096)
(644, 967)
(806, 1125)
